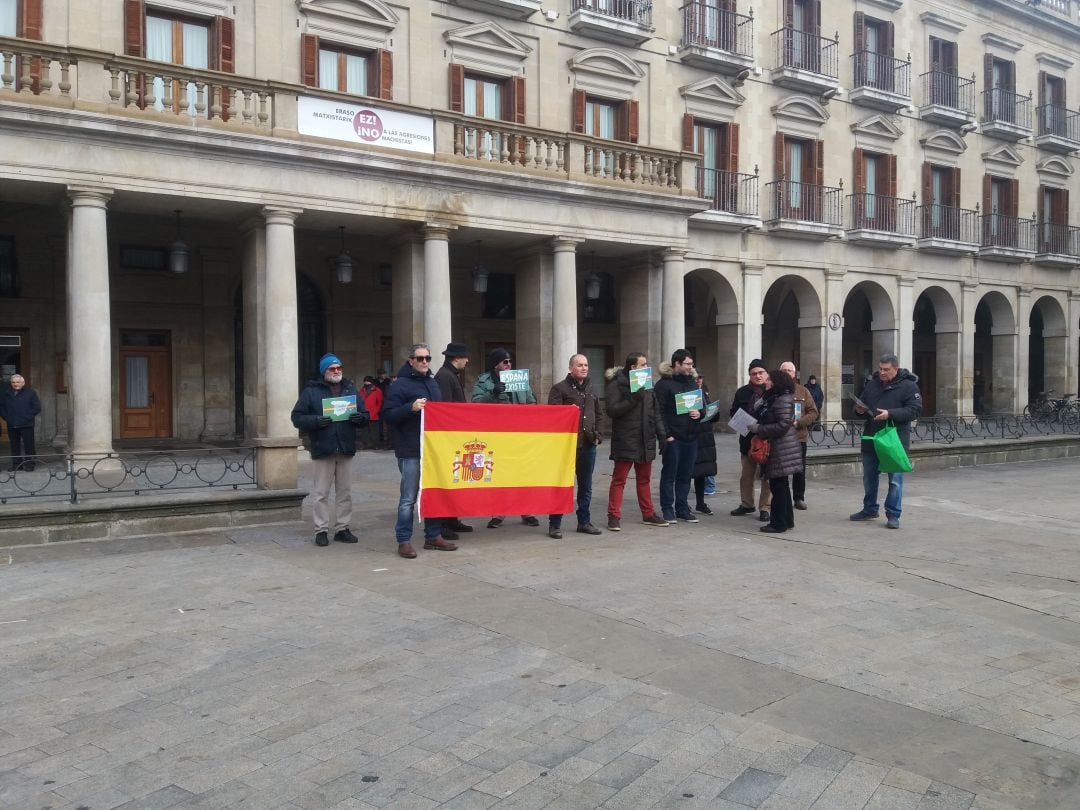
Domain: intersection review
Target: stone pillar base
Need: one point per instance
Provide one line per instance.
(276, 465)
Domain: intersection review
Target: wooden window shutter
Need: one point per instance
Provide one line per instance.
(927, 184)
(30, 20)
(815, 24)
(134, 28)
(789, 13)
(632, 121)
(780, 158)
(688, 132)
(309, 60)
(954, 188)
(860, 32)
(224, 39)
(383, 87)
(517, 99)
(950, 58)
(890, 189)
(988, 71)
(1064, 194)
(858, 161)
(988, 196)
(1040, 205)
(819, 162)
(1014, 198)
(577, 111)
(457, 88)
(1042, 88)
(889, 34)
(731, 153)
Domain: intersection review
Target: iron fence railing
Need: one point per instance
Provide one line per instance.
(637, 11)
(808, 202)
(999, 230)
(732, 192)
(1056, 120)
(1006, 106)
(717, 28)
(947, 222)
(948, 90)
(1063, 240)
(74, 477)
(882, 72)
(804, 50)
(847, 433)
(877, 212)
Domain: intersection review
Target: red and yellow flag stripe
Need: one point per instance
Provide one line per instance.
(484, 459)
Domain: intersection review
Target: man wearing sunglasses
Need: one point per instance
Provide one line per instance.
(414, 387)
(332, 446)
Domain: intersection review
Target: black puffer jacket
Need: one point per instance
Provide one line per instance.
(679, 425)
(900, 397)
(636, 424)
(337, 437)
(410, 386)
(744, 400)
(776, 422)
(705, 461)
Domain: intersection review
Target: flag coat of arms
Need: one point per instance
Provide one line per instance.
(483, 459)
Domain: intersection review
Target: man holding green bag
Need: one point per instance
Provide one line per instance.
(890, 398)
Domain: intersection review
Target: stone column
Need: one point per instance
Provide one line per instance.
(1021, 347)
(829, 376)
(673, 322)
(564, 320)
(969, 301)
(407, 296)
(437, 327)
(89, 322)
(533, 334)
(947, 344)
(277, 459)
(639, 301)
(751, 309)
(1072, 314)
(905, 320)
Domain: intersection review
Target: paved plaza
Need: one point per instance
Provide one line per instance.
(700, 666)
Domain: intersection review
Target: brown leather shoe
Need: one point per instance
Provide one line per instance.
(440, 544)
(406, 550)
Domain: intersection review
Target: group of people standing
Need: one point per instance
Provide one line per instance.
(644, 421)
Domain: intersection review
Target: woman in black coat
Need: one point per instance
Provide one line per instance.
(776, 422)
(705, 462)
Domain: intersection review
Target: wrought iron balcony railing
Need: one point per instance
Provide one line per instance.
(1061, 240)
(806, 202)
(878, 212)
(731, 192)
(805, 51)
(1002, 231)
(717, 28)
(948, 223)
(1007, 106)
(882, 72)
(635, 11)
(948, 90)
(1058, 121)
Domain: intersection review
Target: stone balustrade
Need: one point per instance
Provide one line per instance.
(32, 68)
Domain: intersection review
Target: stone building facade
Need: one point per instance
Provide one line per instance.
(547, 175)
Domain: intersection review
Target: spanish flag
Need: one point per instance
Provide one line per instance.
(485, 459)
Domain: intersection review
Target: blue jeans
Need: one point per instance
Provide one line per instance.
(675, 476)
(870, 474)
(584, 464)
(406, 508)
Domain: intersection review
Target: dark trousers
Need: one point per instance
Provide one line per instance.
(584, 464)
(699, 491)
(782, 515)
(798, 480)
(22, 447)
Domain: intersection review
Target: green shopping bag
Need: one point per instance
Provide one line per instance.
(890, 450)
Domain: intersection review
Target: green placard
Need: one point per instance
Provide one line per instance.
(515, 379)
(688, 401)
(640, 379)
(339, 408)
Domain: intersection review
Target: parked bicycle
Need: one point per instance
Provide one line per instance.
(1058, 409)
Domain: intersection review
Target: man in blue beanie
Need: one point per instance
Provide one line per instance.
(332, 443)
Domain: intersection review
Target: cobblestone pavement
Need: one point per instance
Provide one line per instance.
(709, 665)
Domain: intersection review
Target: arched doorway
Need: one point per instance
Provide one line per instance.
(994, 355)
(869, 332)
(791, 326)
(712, 331)
(936, 351)
(1047, 349)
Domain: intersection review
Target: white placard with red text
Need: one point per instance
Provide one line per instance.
(366, 124)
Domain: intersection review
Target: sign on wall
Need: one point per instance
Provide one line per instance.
(361, 123)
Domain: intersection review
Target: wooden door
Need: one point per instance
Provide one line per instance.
(145, 386)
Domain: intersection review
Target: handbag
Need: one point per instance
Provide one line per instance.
(892, 458)
(759, 449)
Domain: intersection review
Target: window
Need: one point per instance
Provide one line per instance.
(1053, 220)
(329, 66)
(605, 118)
(941, 201)
(1001, 204)
(800, 173)
(999, 78)
(874, 202)
(1052, 110)
(873, 53)
(944, 86)
(718, 145)
(9, 16)
(483, 97)
(9, 274)
(490, 97)
(802, 24)
(713, 23)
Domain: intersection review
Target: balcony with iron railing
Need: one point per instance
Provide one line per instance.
(1057, 245)
(716, 39)
(37, 74)
(805, 210)
(947, 99)
(881, 81)
(1006, 238)
(733, 198)
(947, 229)
(1005, 114)
(805, 61)
(1057, 129)
(626, 22)
(880, 220)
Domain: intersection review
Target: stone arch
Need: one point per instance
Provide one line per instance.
(870, 330)
(1048, 348)
(792, 325)
(935, 351)
(994, 355)
(712, 330)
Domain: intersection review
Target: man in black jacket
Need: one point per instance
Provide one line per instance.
(19, 407)
(680, 448)
(892, 394)
(744, 399)
(449, 379)
(333, 445)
